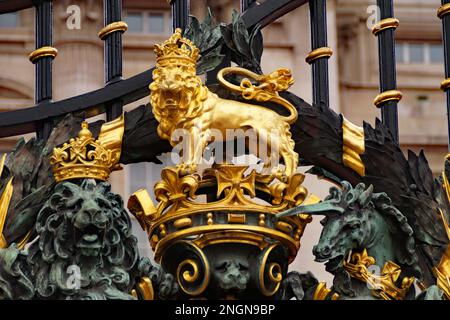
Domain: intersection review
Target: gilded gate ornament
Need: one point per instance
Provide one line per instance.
(87, 157)
(180, 101)
(384, 285)
(234, 216)
(228, 231)
(358, 224)
(442, 270)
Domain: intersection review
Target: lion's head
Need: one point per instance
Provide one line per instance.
(177, 95)
(83, 231)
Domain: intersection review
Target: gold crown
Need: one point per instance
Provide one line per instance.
(177, 50)
(239, 208)
(87, 157)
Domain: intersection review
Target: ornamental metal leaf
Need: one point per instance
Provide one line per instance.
(244, 47)
(208, 39)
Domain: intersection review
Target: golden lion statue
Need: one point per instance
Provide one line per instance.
(181, 101)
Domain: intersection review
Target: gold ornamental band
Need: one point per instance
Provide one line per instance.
(443, 10)
(445, 84)
(388, 23)
(184, 233)
(391, 95)
(319, 53)
(112, 27)
(43, 52)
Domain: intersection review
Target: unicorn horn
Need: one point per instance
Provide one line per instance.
(321, 208)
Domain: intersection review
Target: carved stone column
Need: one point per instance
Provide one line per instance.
(79, 66)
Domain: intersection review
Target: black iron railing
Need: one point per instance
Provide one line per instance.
(444, 14)
(318, 58)
(42, 58)
(119, 92)
(389, 96)
(114, 27)
(180, 13)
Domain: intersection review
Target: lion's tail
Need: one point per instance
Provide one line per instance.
(293, 114)
(266, 91)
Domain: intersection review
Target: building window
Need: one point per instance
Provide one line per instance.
(416, 53)
(9, 20)
(400, 53)
(135, 22)
(137, 176)
(436, 53)
(419, 53)
(149, 22)
(156, 23)
(141, 175)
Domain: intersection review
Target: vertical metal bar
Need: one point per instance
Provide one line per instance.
(180, 13)
(211, 76)
(320, 53)
(444, 14)
(245, 4)
(42, 57)
(389, 95)
(112, 35)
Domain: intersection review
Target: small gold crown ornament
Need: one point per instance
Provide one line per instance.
(87, 157)
(177, 50)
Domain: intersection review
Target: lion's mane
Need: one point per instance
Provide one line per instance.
(194, 93)
(105, 276)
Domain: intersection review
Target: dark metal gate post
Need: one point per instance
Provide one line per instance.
(444, 14)
(112, 35)
(180, 13)
(389, 95)
(245, 4)
(42, 57)
(320, 53)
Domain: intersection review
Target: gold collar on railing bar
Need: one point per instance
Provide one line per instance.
(318, 53)
(443, 10)
(112, 27)
(388, 23)
(43, 52)
(390, 95)
(445, 84)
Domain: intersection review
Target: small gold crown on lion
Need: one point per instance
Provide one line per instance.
(85, 157)
(177, 50)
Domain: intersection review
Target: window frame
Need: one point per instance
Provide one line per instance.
(167, 16)
(426, 47)
(135, 12)
(18, 20)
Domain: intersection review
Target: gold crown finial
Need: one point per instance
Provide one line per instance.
(177, 50)
(84, 132)
(87, 157)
